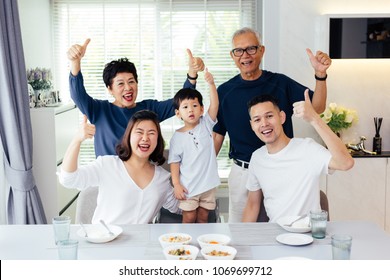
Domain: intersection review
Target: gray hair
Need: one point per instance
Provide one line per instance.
(247, 30)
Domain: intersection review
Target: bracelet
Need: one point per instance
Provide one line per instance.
(192, 78)
(320, 79)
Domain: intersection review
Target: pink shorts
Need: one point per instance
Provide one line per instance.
(205, 200)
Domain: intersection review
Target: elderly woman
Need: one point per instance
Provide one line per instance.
(121, 79)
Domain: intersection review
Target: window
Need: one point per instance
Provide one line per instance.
(154, 34)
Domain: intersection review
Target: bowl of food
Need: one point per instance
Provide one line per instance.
(181, 252)
(175, 238)
(213, 239)
(218, 252)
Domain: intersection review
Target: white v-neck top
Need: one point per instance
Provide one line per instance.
(120, 201)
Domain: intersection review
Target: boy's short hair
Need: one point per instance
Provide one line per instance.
(263, 98)
(122, 65)
(186, 93)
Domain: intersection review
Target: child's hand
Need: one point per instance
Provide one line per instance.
(180, 192)
(208, 77)
(87, 130)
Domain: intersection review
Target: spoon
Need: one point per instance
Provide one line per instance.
(104, 224)
(82, 225)
(296, 220)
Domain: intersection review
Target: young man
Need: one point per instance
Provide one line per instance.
(286, 171)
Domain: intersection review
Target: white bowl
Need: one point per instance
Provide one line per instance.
(189, 252)
(174, 238)
(228, 252)
(300, 226)
(213, 239)
(99, 234)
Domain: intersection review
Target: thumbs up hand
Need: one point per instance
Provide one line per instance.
(304, 109)
(195, 64)
(77, 52)
(87, 130)
(208, 77)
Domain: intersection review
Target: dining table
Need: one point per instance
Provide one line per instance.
(253, 241)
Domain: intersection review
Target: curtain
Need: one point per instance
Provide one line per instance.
(24, 204)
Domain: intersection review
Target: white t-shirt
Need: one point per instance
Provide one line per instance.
(120, 200)
(194, 149)
(290, 178)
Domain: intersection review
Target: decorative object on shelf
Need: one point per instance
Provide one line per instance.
(377, 140)
(339, 117)
(31, 95)
(40, 80)
(359, 147)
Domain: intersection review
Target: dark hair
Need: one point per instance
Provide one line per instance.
(263, 98)
(186, 93)
(122, 65)
(123, 150)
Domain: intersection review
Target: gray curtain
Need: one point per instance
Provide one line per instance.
(24, 204)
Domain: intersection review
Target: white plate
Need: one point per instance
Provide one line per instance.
(99, 234)
(300, 226)
(294, 239)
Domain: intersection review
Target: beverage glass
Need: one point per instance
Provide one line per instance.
(61, 226)
(67, 249)
(341, 246)
(318, 220)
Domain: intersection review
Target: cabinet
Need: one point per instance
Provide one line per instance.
(361, 193)
(53, 129)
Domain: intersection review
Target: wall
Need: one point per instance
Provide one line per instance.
(291, 26)
(35, 23)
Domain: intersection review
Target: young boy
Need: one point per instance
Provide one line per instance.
(192, 155)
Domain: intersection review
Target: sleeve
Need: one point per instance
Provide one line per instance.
(252, 183)
(175, 151)
(171, 203)
(84, 177)
(163, 109)
(80, 96)
(209, 122)
(296, 91)
(187, 84)
(320, 156)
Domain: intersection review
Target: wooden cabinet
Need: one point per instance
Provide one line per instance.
(53, 129)
(361, 193)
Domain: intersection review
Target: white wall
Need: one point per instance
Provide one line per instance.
(35, 22)
(291, 26)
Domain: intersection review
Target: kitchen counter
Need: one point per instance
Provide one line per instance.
(384, 154)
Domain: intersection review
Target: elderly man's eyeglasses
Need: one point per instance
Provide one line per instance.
(249, 50)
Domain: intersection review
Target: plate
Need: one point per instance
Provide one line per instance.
(300, 226)
(294, 239)
(99, 234)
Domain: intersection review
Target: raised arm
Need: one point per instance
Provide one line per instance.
(69, 164)
(320, 62)
(341, 159)
(75, 54)
(214, 101)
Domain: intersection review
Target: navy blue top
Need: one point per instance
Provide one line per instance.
(233, 116)
(110, 120)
